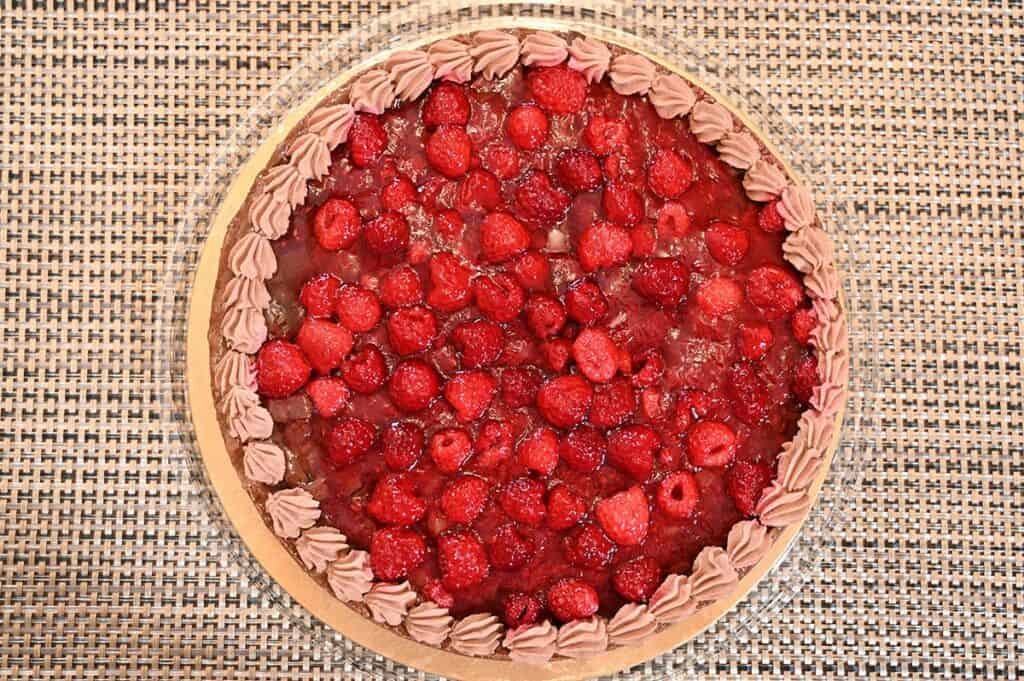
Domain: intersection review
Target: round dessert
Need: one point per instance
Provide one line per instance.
(526, 346)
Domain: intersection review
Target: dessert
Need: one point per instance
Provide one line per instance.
(526, 347)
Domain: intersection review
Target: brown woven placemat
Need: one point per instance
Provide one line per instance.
(110, 112)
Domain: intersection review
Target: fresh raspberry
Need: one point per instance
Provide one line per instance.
(746, 483)
(603, 244)
(508, 549)
(805, 379)
(556, 353)
(464, 498)
(398, 193)
(281, 368)
(329, 395)
(462, 559)
(596, 355)
(578, 171)
(479, 343)
(572, 599)
(544, 316)
(748, 394)
(502, 160)
(532, 271)
(614, 404)
(493, 444)
(588, 547)
(754, 340)
(367, 140)
(558, 89)
(678, 494)
(522, 500)
(565, 401)
(348, 439)
(400, 286)
(631, 449)
(670, 174)
(449, 448)
(527, 126)
(604, 135)
(650, 371)
(538, 451)
(774, 291)
(445, 104)
(387, 233)
(413, 385)
(727, 243)
(402, 445)
(584, 448)
(319, 295)
(357, 308)
(624, 516)
(585, 302)
(448, 150)
(365, 371)
(565, 508)
(643, 240)
(651, 404)
(411, 329)
(336, 225)
(804, 322)
(470, 393)
(674, 220)
(519, 386)
(719, 296)
(638, 579)
(538, 201)
(324, 343)
(696, 402)
(394, 551)
(710, 444)
(664, 281)
(435, 592)
(622, 204)
(499, 297)
(478, 192)
(449, 224)
(502, 237)
(769, 219)
(450, 283)
(520, 610)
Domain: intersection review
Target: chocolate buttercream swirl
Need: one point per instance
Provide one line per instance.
(798, 466)
(748, 541)
(779, 507)
(252, 256)
(350, 577)
(825, 309)
(582, 638)
(292, 510)
(332, 123)
(254, 423)
(269, 217)
(246, 292)
(713, 575)
(234, 369)
(318, 547)
(710, 121)
(834, 367)
(764, 181)
(263, 462)
(286, 184)
(411, 72)
(541, 48)
(388, 603)
(372, 92)
(739, 149)
(632, 624)
(830, 336)
(532, 644)
(451, 60)
(671, 602)
(828, 398)
(244, 329)
(310, 155)
(814, 430)
(495, 52)
(477, 635)
(796, 208)
(632, 74)
(809, 249)
(823, 282)
(671, 96)
(428, 623)
(590, 57)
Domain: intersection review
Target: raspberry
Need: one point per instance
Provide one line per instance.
(413, 385)
(387, 233)
(673, 220)
(643, 240)
(805, 379)
(710, 444)
(357, 308)
(583, 449)
(527, 126)
(336, 225)
(470, 393)
(445, 104)
(624, 516)
(402, 445)
(502, 237)
(774, 291)
(746, 483)
(319, 295)
(411, 329)
(614, 404)
(651, 371)
(348, 439)
(532, 271)
(804, 322)
(719, 296)
(769, 219)
(670, 174)
(572, 599)
(638, 579)
(449, 224)
(366, 140)
(651, 404)
(727, 244)
(697, 402)
(565, 508)
(479, 343)
(499, 297)
(464, 498)
(448, 150)
(400, 286)
(748, 394)
(578, 171)
(538, 451)
(631, 449)
(462, 559)
(544, 316)
(519, 386)
(365, 371)
(398, 193)
(508, 549)
(754, 340)
(585, 303)
(625, 165)
(394, 551)
(557, 89)
(449, 448)
(603, 244)
(502, 160)
(538, 201)
(556, 354)
(450, 281)
(493, 444)
(596, 355)
(281, 368)
(565, 401)
(520, 610)
(588, 547)
(604, 135)
(664, 281)
(477, 192)
(329, 395)
(622, 204)
(678, 494)
(324, 343)
(522, 500)
(435, 592)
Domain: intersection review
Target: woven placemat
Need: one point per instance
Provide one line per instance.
(110, 113)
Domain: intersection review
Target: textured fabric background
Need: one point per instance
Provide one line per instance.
(110, 113)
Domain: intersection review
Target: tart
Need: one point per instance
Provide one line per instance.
(525, 348)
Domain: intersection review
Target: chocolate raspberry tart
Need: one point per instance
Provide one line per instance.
(526, 349)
